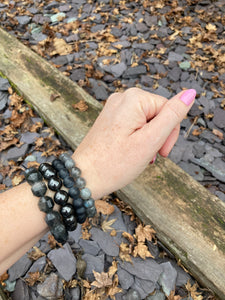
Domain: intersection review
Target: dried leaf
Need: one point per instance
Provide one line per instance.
(34, 277)
(128, 236)
(52, 242)
(112, 269)
(81, 105)
(193, 291)
(36, 253)
(114, 289)
(218, 133)
(196, 132)
(35, 127)
(60, 47)
(102, 279)
(106, 225)
(7, 144)
(173, 297)
(113, 232)
(210, 27)
(144, 232)
(104, 207)
(17, 179)
(125, 252)
(3, 277)
(142, 250)
(85, 234)
(53, 97)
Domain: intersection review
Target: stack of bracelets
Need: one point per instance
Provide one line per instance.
(62, 172)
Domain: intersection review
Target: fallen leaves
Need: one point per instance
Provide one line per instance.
(143, 233)
(81, 106)
(218, 133)
(192, 291)
(106, 225)
(17, 179)
(34, 277)
(36, 253)
(104, 207)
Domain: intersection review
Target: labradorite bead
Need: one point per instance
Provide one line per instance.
(48, 173)
(69, 164)
(67, 210)
(85, 193)
(59, 232)
(54, 183)
(43, 167)
(81, 218)
(80, 182)
(34, 177)
(64, 156)
(53, 218)
(78, 202)
(89, 203)
(58, 164)
(74, 192)
(61, 197)
(75, 172)
(91, 211)
(45, 204)
(39, 188)
(63, 173)
(80, 210)
(68, 182)
(28, 171)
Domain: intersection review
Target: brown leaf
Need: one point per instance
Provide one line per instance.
(60, 47)
(173, 297)
(3, 277)
(113, 232)
(106, 225)
(85, 234)
(52, 242)
(53, 97)
(35, 127)
(102, 279)
(104, 207)
(142, 250)
(112, 269)
(36, 253)
(34, 277)
(193, 291)
(196, 132)
(125, 251)
(144, 232)
(218, 133)
(81, 105)
(114, 289)
(5, 145)
(17, 179)
(129, 237)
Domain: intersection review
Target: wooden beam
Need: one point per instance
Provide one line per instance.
(188, 219)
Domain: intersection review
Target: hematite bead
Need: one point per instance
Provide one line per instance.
(39, 188)
(75, 172)
(59, 232)
(70, 223)
(45, 204)
(85, 193)
(80, 210)
(80, 182)
(64, 156)
(91, 211)
(89, 203)
(74, 192)
(48, 173)
(54, 183)
(81, 218)
(68, 182)
(34, 177)
(67, 210)
(53, 218)
(58, 164)
(28, 171)
(43, 167)
(61, 197)
(78, 203)
(69, 164)
(63, 173)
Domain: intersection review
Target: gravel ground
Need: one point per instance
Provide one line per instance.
(109, 46)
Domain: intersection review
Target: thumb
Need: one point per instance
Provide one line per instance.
(172, 113)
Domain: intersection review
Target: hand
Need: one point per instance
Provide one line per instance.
(131, 129)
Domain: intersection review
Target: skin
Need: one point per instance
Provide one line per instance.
(131, 129)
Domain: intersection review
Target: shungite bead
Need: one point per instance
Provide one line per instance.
(43, 167)
(80, 182)
(67, 210)
(54, 183)
(59, 232)
(75, 172)
(78, 202)
(61, 197)
(34, 177)
(53, 218)
(63, 173)
(69, 164)
(71, 227)
(45, 204)
(58, 164)
(68, 182)
(91, 211)
(49, 173)
(80, 210)
(89, 203)
(28, 171)
(70, 222)
(39, 189)
(81, 218)
(85, 193)
(64, 156)
(74, 192)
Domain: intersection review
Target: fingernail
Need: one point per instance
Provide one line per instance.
(188, 96)
(153, 160)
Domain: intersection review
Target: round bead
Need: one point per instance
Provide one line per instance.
(39, 188)
(45, 204)
(85, 193)
(53, 218)
(69, 164)
(28, 171)
(54, 183)
(64, 156)
(91, 211)
(34, 177)
(78, 203)
(75, 172)
(68, 182)
(43, 167)
(70, 223)
(89, 203)
(80, 182)
(49, 173)
(81, 218)
(63, 173)
(71, 227)
(74, 192)
(67, 210)
(80, 211)
(61, 197)
(60, 233)
(58, 164)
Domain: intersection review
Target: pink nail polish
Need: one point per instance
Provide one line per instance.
(188, 96)
(153, 160)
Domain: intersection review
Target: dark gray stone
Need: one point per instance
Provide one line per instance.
(15, 152)
(125, 279)
(132, 294)
(95, 263)
(105, 241)
(160, 68)
(118, 69)
(10, 285)
(124, 44)
(146, 269)
(76, 234)
(78, 74)
(210, 137)
(38, 265)
(158, 295)
(173, 56)
(60, 60)
(193, 170)
(143, 46)
(72, 38)
(4, 84)
(150, 20)
(65, 8)
(29, 137)
(90, 247)
(135, 71)
(97, 28)
(19, 268)
(23, 20)
(220, 195)
(164, 92)
(75, 293)
(64, 261)
(51, 5)
(21, 291)
(51, 288)
(168, 278)
(100, 92)
(141, 27)
(219, 117)
(144, 287)
(117, 32)
(174, 74)
(3, 101)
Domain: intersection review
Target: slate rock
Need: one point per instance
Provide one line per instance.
(164, 92)
(97, 28)
(38, 37)
(175, 74)
(29, 137)
(51, 5)
(21, 291)
(219, 117)
(193, 170)
(95, 263)
(123, 44)
(210, 137)
(65, 8)
(167, 279)
(105, 241)
(78, 74)
(56, 17)
(185, 65)
(117, 32)
(143, 46)
(76, 234)
(135, 71)
(118, 69)
(64, 261)
(72, 38)
(38, 265)
(23, 20)
(1, 178)
(3, 101)
(173, 56)
(10, 285)
(90, 247)
(19, 268)
(144, 287)
(150, 20)
(75, 293)
(60, 60)
(16, 152)
(119, 224)
(99, 90)
(132, 295)
(146, 269)
(158, 295)
(141, 27)
(51, 288)
(125, 279)
(4, 84)
(220, 195)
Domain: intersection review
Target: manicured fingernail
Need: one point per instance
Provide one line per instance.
(188, 96)
(153, 160)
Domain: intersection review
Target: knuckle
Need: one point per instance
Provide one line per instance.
(173, 110)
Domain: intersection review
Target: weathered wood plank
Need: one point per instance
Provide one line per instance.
(188, 219)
